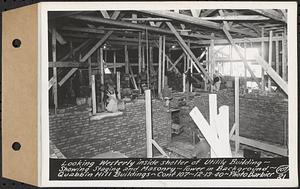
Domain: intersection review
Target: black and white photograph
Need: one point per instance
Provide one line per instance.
(169, 84)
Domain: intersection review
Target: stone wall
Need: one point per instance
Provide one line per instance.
(72, 131)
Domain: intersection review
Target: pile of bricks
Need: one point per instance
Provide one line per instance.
(72, 131)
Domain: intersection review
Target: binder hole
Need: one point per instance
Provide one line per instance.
(16, 146)
(16, 43)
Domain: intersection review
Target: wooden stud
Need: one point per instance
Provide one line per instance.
(213, 117)
(230, 57)
(101, 77)
(211, 57)
(163, 61)
(284, 56)
(94, 95)
(245, 55)
(222, 128)
(126, 59)
(119, 85)
(160, 66)
(148, 123)
(173, 66)
(263, 83)
(143, 58)
(183, 82)
(270, 57)
(237, 113)
(277, 55)
(140, 52)
(54, 89)
(115, 60)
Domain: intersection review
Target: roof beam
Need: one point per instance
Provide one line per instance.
(195, 12)
(145, 19)
(132, 25)
(271, 14)
(236, 17)
(194, 20)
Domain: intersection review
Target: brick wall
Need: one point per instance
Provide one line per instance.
(72, 131)
(261, 116)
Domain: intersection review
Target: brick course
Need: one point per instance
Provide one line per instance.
(72, 131)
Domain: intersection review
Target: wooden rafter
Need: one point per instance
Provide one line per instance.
(207, 12)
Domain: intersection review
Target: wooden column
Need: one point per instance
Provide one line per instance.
(277, 55)
(126, 60)
(163, 61)
(237, 114)
(94, 95)
(90, 71)
(118, 85)
(270, 57)
(148, 123)
(140, 52)
(183, 82)
(211, 58)
(263, 83)
(245, 55)
(230, 56)
(54, 88)
(284, 55)
(143, 58)
(115, 61)
(150, 60)
(159, 66)
(102, 77)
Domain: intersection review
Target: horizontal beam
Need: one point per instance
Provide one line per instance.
(271, 14)
(145, 19)
(132, 25)
(194, 20)
(262, 145)
(240, 40)
(235, 17)
(71, 64)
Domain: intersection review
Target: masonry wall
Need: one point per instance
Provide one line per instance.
(262, 116)
(76, 136)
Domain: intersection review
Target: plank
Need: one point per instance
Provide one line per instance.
(119, 85)
(188, 51)
(235, 18)
(222, 126)
(263, 83)
(159, 148)
(209, 134)
(163, 61)
(213, 117)
(54, 88)
(140, 52)
(96, 46)
(237, 112)
(148, 123)
(263, 145)
(284, 56)
(160, 66)
(270, 13)
(277, 56)
(94, 95)
(272, 73)
(173, 65)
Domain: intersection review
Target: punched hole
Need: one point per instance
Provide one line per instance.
(16, 43)
(16, 146)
